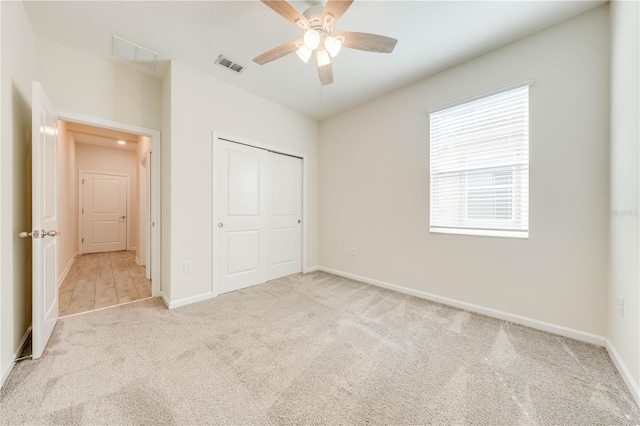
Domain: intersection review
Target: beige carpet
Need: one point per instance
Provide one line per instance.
(312, 348)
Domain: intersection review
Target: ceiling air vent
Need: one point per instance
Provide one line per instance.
(224, 62)
(128, 51)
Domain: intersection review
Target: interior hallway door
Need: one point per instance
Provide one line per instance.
(104, 213)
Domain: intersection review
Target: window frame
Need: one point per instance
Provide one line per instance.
(523, 202)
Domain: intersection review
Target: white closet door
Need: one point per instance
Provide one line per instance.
(285, 206)
(240, 227)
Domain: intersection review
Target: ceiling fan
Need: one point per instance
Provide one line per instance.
(317, 24)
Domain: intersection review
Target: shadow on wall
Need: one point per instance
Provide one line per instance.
(127, 98)
(21, 206)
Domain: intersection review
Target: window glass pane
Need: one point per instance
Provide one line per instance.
(490, 194)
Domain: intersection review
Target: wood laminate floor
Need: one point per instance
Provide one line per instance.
(99, 280)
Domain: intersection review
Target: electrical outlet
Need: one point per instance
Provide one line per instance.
(352, 252)
(188, 266)
(621, 306)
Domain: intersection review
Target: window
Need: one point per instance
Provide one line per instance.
(480, 166)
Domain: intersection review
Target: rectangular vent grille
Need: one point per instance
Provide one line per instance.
(230, 65)
(128, 51)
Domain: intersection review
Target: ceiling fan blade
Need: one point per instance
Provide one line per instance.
(367, 42)
(325, 73)
(277, 52)
(337, 8)
(287, 11)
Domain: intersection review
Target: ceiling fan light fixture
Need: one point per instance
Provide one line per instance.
(317, 23)
(322, 57)
(304, 53)
(333, 46)
(312, 39)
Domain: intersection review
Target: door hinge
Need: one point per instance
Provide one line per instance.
(82, 211)
(83, 181)
(83, 240)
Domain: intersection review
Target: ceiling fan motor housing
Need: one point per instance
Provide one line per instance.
(314, 16)
(314, 13)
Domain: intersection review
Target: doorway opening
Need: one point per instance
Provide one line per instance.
(104, 206)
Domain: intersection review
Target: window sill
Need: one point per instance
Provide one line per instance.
(481, 232)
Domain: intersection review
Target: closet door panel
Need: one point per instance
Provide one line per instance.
(285, 220)
(240, 226)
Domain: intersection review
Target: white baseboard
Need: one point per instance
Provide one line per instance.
(624, 371)
(165, 299)
(16, 354)
(188, 300)
(311, 269)
(138, 262)
(517, 319)
(66, 270)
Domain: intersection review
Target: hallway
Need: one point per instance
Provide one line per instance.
(100, 280)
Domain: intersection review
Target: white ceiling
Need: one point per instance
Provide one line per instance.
(98, 136)
(432, 35)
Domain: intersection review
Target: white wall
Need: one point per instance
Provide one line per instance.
(165, 187)
(67, 199)
(374, 184)
(18, 50)
(85, 84)
(91, 158)
(624, 250)
(201, 105)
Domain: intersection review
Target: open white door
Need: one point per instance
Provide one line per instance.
(45, 219)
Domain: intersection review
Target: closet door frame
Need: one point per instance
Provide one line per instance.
(215, 287)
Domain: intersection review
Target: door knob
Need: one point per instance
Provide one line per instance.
(50, 233)
(220, 225)
(123, 217)
(24, 234)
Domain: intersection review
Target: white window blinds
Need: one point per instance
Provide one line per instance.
(480, 166)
